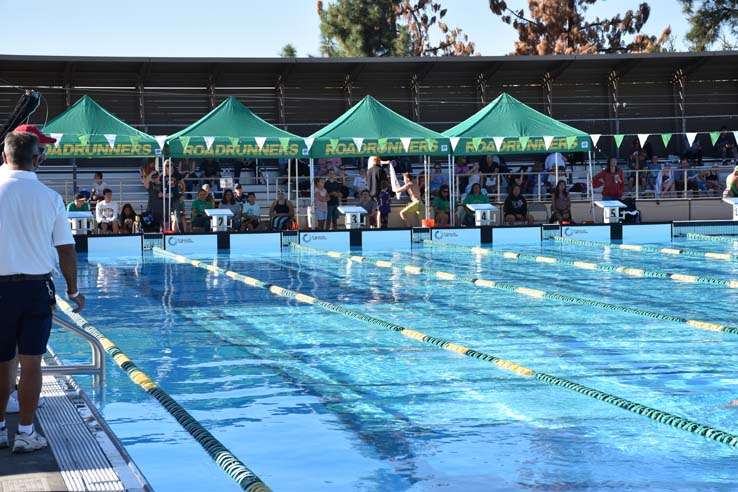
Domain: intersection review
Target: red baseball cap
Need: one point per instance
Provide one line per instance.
(43, 139)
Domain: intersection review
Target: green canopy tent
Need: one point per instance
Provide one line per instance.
(507, 126)
(371, 128)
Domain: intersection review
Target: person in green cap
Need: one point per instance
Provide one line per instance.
(731, 184)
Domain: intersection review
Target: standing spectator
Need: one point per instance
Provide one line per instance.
(333, 188)
(281, 213)
(176, 204)
(198, 217)
(79, 204)
(186, 170)
(725, 144)
(442, 206)
(98, 186)
(637, 157)
(385, 204)
(127, 219)
(155, 205)
(29, 232)
(367, 203)
(229, 202)
(359, 184)
(555, 160)
(321, 203)
(106, 213)
(515, 208)
(461, 169)
(148, 168)
(731, 184)
(250, 214)
(611, 179)
(560, 204)
(375, 176)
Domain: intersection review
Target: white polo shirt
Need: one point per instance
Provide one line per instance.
(33, 221)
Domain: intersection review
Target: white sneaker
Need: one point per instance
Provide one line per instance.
(4, 437)
(13, 406)
(27, 443)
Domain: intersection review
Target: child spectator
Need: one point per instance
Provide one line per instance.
(98, 187)
(251, 215)
(321, 203)
(229, 203)
(515, 208)
(359, 183)
(79, 204)
(385, 206)
(106, 213)
(367, 203)
(127, 219)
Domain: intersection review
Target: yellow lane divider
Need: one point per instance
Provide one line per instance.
(652, 413)
(649, 249)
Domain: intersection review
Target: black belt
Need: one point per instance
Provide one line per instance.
(23, 277)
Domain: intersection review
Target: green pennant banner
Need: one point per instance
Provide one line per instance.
(714, 136)
(234, 141)
(334, 142)
(570, 141)
(382, 142)
(134, 140)
(618, 139)
(185, 141)
(523, 142)
(666, 137)
(84, 140)
(285, 141)
(431, 143)
(476, 141)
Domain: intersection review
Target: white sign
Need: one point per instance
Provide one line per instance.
(187, 244)
(256, 243)
(502, 236)
(463, 237)
(102, 246)
(588, 233)
(385, 240)
(326, 240)
(646, 233)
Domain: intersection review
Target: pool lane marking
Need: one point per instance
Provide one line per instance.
(672, 420)
(225, 460)
(540, 294)
(707, 237)
(634, 272)
(649, 249)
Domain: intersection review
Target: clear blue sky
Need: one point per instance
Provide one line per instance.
(238, 28)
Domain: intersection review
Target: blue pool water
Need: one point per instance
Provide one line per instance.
(315, 401)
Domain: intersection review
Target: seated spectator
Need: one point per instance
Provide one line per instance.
(731, 184)
(725, 144)
(186, 169)
(665, 181)
(240, 196)
(359, 184)
(106, 213)
(324, 165)
(250, 214)
(473, 178)
(560, 204)
(638, 172)
(367, 203)
(98, 187)
(128, 220)
(197, 212)
(475, 196)
(611, 180)
(437, 180)
(694, 151)
(208, 194)
(653, 170)
(210, 172)
(712, 179)
(637, 157)
(515, 208)
(689, 179)
(229, 203)
(281, 213)
(461, 169)
(79, 204)
(442, 206)
(555, 160)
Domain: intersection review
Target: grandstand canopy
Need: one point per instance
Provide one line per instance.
(233, 130)
(86, 129)
(371, 128)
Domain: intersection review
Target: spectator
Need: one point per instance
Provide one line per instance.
(333, 188)
(250, 214)
(148, 168)
(198, 217)
(473, 178)
(694, 151)
(321, 203)
(127, 219)
(712, 179)
(155, 206)
(515, 208)
(687, 179)
(385, 204)
(375, 176)
(79, 204)
(665, 181)
(359, 184)
(98, 187)
(343, 180)
(560, 204)
(611, 180)
(208, 194)
(725, 144)
(637, 157)
(555, 160)
(186, 170)
(461, 169)
(442, 206)
(176, 202)
(437, 180)
(731, 184)
(210, 172)
(638, 172)
(281, 213)
(240, 196)
(106, 213)
(474, 197)
(367, 203)
(653, 170)
(229, 203)
(518, 179)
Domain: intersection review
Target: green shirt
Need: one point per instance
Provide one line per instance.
(474, 199)
(72, 207)
(441, 204)
(199, 206)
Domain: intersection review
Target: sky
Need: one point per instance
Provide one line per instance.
(246, 28)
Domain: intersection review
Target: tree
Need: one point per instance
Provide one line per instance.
(711, 21)
(288, 51)
(559, 27)
(357, 28)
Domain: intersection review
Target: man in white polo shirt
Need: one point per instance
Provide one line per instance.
(30, 230)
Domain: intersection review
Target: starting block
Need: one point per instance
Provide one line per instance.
(611, 210)
(80, 222)
(733, 201)
(220, 218)
(353, 216)
(484, 213)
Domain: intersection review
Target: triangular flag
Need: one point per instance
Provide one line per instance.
(309, 142)
(735, 136)
(161, 139)
(547, 141)
(110, 137)
(570, 141)
(498, 142)
(209, 141)
(523, 142)
(234, 141)
(358, 141)
(642, 137)
(714, 136)
(334, 143)
(134, 140)
(690, 137)
(260, 142)
(285, 141)
(454, 142)
(665, 137)
(405, 142)
(185, 141)
(382, 142)
(476, 141)
(84, 140)
(431, 143)
(595, 138)
(58, 137)
(618, 139)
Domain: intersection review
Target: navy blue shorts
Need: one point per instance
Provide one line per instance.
(26, 317)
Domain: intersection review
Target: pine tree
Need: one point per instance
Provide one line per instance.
(288, 51)
(712, 21)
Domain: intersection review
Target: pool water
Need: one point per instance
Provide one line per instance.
(312, 400)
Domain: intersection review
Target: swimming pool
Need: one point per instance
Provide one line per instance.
(314, 401)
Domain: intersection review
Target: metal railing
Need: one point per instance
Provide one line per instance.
(96, 367)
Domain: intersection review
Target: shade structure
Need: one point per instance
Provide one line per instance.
(233, 130)
(371, 128)
(507, 126)
(87, 129)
